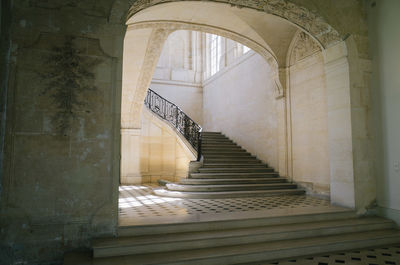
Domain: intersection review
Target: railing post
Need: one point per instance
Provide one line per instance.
(199, 145)
(165, 109)
(176, 117)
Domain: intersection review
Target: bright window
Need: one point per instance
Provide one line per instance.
(215, 52)
(218, 52)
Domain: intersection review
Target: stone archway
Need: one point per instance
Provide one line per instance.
(149, 34)
(308, 21)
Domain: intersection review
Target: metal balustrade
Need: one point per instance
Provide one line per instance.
(171, 113)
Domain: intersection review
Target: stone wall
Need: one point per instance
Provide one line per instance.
(5, 43)
(308, 117)
(385, 86)
(240, 103)
(60, 187)
(164, 153)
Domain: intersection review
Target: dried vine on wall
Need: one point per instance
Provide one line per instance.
(69, 74)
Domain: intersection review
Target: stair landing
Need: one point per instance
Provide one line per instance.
(138, 205)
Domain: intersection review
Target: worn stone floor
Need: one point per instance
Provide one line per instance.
(138, 206)
(378, 256)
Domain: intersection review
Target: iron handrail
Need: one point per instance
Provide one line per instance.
(170, 112)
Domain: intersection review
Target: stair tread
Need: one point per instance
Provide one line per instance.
(234, 173)
(226, 151)
(228, 164)
(235, 169)
(234, 179)
(224, 233)
(227, 194)
(238, 250)
(233, 185)
(222, 168)
(217, 159)
(228, 161)
(240, 175)
(238, 192)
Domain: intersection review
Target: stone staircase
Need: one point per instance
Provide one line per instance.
(250, 241)
(229, 171)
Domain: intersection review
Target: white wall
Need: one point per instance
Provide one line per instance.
(309, 123)
(178, 74)
(187, 97)
(384, 31)
(163, 153)
(239, 101)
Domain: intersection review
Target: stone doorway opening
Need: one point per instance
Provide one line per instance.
(149, 27)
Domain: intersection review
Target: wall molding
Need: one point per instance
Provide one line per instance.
(175, 83)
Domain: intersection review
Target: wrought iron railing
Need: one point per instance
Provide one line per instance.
(176, 117)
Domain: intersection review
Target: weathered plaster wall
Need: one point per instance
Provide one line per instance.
(240, 103)
(309, 123)
(385, 40)
(60, 190)
(5, 32)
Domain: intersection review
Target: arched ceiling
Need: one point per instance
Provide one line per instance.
(271, 32)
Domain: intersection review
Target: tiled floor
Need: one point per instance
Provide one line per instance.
(379, 256)
(138, 205)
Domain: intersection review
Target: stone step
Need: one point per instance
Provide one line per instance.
(256, 253)
(230, 187)
(230, 175)
(227, 237)
(210, 133)
(236, 169)
(222, 181)
(239, 155)
(221, 148)
(229, 155)
(218, 152)
(204, 143)
(227, 194)
(234, 222)
(217, 141)
(216, 138)
(264, 251)
(250, 160)
(234, 165)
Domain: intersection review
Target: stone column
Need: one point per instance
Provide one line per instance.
(142, 49)
(339, 126)
(281, 112)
